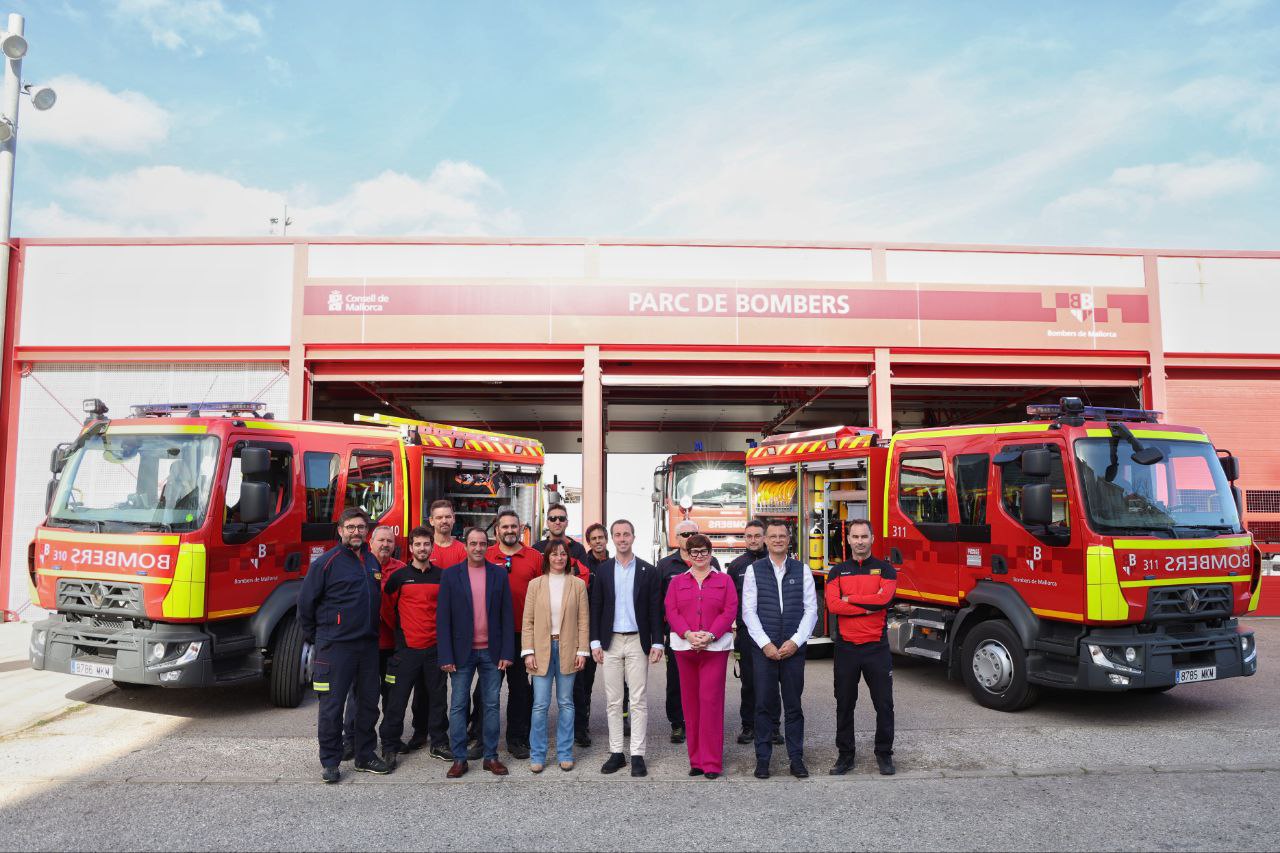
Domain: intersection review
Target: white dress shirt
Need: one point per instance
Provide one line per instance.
(752, 619)
(624, 602)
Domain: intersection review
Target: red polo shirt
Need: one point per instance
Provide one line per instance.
(448, 556)
(525, 565)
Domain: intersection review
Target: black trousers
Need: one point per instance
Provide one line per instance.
(675, 711)
(779, 685)
(349, 715)
(519, 704)
(873, 663)
(339, 668)
(582, 684)
(416, 671)
(743, 644)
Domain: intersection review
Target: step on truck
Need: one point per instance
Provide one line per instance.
(1085, 549)
(176, 539)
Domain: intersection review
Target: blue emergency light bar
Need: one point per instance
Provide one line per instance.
(1074, 408)
(256, 408)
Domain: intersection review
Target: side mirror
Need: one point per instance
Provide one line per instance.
(255, 502)
(656, 497)
(49, 492)
(1230, 467)
(58, 458)
(1148, 456)
(255, 462)
(1036, 463)
(1037, 504)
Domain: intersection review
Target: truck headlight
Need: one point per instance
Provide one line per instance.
(1110, 658)
(1130, 654)
(190, 653)
(157, 652)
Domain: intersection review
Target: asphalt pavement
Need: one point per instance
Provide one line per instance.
(1195, 768)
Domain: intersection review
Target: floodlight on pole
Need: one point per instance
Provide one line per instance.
(13, 45)
(43, 98)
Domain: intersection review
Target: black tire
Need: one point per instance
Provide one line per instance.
(290, 664)
(994, 649)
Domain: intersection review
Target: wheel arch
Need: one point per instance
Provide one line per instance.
(992, 601)
(282, 600)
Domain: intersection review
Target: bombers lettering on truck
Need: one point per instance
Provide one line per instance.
(1217, 562)
(120, 559)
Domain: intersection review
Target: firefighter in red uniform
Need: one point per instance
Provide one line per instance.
(858, 591)
(409, 605)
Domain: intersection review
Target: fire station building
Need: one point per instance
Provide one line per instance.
(606, 348)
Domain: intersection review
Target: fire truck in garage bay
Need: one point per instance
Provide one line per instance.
(176, 539)
(707, 487)
(1088, 548)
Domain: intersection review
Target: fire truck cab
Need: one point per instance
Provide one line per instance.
(709, 488)
(176, 539)
(1087, 548)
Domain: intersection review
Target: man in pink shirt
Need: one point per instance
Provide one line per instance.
(475, 630)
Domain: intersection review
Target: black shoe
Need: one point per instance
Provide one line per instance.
(677, 734)
(614, 763)
(519, 751)
(713, 775)
(885, 763)
(374, 765)
(695, 771)
(331, 775)
(637, 766)
(798, 769)
(778, 739)
(475, 751)
(582, 739)
(762, 769)
(348, 750)
(415, 743)
(747, 735)
(441, 752)
(389, 757)
(842, 766)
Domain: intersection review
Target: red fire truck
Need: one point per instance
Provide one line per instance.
(176, 539)
(707, 487)
(1088, 548)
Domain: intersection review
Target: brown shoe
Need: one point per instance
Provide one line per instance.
(496, 767)
(457, 770)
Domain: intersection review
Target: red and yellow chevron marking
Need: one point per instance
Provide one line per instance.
(801, 448)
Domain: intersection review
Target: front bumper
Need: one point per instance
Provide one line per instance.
(1162, 654)
(57, 643)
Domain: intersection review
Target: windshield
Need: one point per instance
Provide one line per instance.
(131, 481)
(712, 483)
(1185, 494)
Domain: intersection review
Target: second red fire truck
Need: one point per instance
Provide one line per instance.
(1087, 548)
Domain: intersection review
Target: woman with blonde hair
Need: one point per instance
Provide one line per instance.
(554, 643)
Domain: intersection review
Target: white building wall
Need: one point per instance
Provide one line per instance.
(1220, 305)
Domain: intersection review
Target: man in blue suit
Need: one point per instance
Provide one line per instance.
(779, 611)
(626, 639)
(475, 628)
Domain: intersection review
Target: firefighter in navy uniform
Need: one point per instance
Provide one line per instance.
(858, 592)
(753, 538)
(338, 611)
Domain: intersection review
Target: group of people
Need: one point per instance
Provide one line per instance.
(464, 612)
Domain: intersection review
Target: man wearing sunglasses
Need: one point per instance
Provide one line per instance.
(557, 524)
(675, 563)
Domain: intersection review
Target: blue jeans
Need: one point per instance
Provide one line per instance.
(542, 702)
(460, 692)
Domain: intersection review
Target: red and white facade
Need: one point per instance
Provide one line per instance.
(1190, 332)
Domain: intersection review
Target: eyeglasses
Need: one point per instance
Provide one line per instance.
(355, 528)
(557, 518)
(685, 535)
(699, 552)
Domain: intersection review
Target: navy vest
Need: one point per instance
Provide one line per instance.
(779, 620)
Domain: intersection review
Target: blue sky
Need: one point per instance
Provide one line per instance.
(1133, 124)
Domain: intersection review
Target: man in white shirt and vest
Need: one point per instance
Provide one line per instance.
(779, 610)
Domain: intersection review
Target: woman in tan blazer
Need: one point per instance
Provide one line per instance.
(554, 642)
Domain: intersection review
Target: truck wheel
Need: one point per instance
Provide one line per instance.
(994, 665)
(290, 664)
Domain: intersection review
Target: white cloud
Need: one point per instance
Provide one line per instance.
(90, 117)
(188, 24)
(1140, 189)
(455, 198)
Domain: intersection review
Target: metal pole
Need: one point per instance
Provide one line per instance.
(8, 152)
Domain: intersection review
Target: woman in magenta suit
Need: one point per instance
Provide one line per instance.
(701, 605)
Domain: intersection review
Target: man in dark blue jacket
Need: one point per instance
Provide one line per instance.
(338, 608)
(475, 631)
